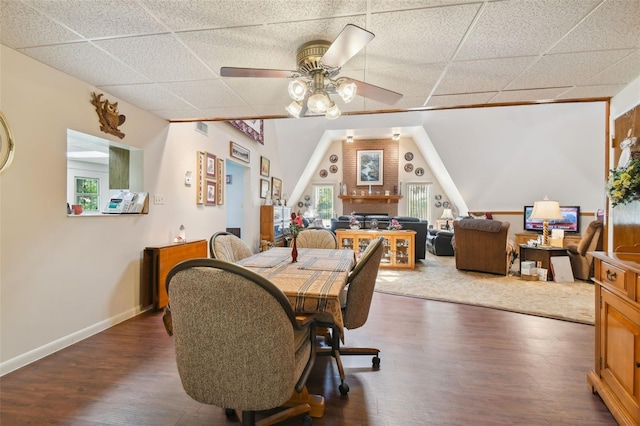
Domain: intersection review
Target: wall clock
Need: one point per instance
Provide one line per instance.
(333, 168)
(408, 156)
(419, 171)
(323, 173)
(333, 158)
(408, 167)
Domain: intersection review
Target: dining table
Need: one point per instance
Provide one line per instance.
(313, 284)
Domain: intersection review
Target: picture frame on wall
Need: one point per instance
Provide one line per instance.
(211, 166)
(211, 193)
(264, 188)
(239, 152)
(265, 166)
(276, 188)
(201, 160)
(220, 181)
(252, 128)
(370, 167)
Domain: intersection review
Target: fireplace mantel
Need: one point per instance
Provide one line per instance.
(370, 199)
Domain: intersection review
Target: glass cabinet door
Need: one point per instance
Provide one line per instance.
(387, 252)
(347, 243)
(402, 250)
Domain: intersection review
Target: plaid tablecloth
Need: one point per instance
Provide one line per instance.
(313, 284)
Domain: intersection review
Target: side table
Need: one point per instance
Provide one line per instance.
(541, 254)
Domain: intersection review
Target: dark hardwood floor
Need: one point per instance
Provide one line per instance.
(442, 364)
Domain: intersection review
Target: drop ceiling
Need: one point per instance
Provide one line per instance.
(165, 55)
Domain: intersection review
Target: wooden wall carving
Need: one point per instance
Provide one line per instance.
(626, 218)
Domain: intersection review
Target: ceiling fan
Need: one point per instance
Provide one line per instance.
(319, 63)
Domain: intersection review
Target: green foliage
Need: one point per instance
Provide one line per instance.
(623, 185)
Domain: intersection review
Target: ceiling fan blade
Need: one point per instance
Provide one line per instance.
(256, 72)
(376, 93)
(349, 42)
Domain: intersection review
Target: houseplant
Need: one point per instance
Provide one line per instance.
(623, 185)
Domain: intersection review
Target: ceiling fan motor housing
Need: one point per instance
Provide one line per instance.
(310, 54)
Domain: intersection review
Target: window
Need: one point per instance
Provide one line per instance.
(87, 193)
(323, 203)
(418, 200)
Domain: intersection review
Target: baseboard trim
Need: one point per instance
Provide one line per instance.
(66, 341)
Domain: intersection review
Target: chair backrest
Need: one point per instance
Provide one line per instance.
(482, 245)
(317, 238)
(592, 238)
(226, 246)
(234, 335)
(362, 282)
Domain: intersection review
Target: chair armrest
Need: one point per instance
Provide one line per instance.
(572, 248)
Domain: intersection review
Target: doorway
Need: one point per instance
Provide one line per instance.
(234, 193)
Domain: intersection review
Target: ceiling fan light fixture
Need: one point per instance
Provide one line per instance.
(297, 89)
(347, 90)
(333, 112)
(294, 109)
(396, 136)
(318, 102)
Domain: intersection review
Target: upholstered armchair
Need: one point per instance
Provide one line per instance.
(226, 246)
(581, 259)
(238, 343)
(482, 245)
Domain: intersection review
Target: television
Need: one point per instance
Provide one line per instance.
(570, 222)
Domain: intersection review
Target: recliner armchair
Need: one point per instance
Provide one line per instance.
(581, 259)
(482, 245)
(238, 343)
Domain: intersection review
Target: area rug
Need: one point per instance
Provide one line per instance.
(436, 278)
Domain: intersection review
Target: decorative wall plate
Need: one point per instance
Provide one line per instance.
(438, 197)
(307, 197)
(300, 204)
(445, 204)
(408, 156)
(408, 167)
(419, 171)
(323, 173)
(438, 204)
(333, 168)
(333, 158)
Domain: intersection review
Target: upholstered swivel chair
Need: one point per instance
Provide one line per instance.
(581, 259)
(238, 343)
(360, 286)
(482, 245)
(228, 247)
(316, 238)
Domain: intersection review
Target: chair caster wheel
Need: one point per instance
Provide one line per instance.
(376, 362)
(344, 389)
(306, 421)
(229, 412)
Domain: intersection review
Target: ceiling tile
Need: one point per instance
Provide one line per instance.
(417, 36)
(481, 76)
(85, 62)
(522, 27)
(205, 93)
(230, 112)
(614, 25)
(21, 26)
(177, 114)
(407, 102)
(260, 91)
(147, 96)
(622, 72)
(99, 18)
(386, 5)
(591, 92)
(457, 100)
(566, 69)
(417, 80)
(527, 95)
(160, 57)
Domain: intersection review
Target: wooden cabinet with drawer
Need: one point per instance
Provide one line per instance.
(616, 374)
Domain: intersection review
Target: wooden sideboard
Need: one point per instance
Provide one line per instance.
(524, 237)
(616, 374)
(399, 246)
(158, 261)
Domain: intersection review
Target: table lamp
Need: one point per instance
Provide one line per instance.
(448, 215)
(546, 210)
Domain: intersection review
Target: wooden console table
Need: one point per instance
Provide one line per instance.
(399, 246)
(541, 254)
(158, 261)
(524, 237)
(616, 372)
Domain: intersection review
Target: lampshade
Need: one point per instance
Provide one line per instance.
(347, 90)
(447, 214)
(297, 90)
(333, 112)
(546, 210)
(294, 109)
(318, 102)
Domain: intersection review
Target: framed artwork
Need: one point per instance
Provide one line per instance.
(201, 160)
(239, 152)
(220, 182)
(211, 166)
(264, 188)
(370, 167)
(211, 193)
(265, 166)
(276, 188)
(252, 128)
